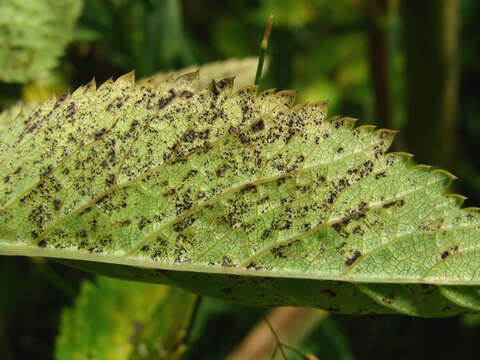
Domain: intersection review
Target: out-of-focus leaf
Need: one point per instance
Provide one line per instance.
(33, 35)
(43, 87)
(117, 319)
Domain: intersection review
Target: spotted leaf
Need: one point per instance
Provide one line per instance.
(235, 194)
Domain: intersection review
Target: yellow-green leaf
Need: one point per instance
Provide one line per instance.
(117, 319)
(237, 195)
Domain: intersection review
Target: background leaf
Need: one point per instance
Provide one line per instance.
(115, 319)
(33, 35)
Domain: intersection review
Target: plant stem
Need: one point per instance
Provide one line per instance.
(292, 323)
(430, 35)
(275, 335)
(191, 324)
(263, 49)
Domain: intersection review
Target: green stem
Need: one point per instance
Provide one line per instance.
(263, 49)
(430, 35)
(191, 324)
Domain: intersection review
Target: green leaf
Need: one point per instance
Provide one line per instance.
(237, 195)
(33, 34)
(116, 319)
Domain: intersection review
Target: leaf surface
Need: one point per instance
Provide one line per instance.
(238, 195)
(116, 319)
(33, 34)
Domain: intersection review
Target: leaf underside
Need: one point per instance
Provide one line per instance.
(33, 34)
(238, 195)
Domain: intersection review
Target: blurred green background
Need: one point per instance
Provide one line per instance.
(409, 65)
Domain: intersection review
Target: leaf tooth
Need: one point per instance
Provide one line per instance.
(271, 104)
(401, 155)
(473, 209)
(312, 112)
(225, 86)
(286, 97)
(190, 80)
(369, 128)
(90, 87)
(319, 112)
(106, 85)
(424, 167)
(126, 80)
(266, 93)
(349, 121)
(446, 173)
(297, 108)
(459, 199)
(387, 132)
(387, 136)
(247, 91)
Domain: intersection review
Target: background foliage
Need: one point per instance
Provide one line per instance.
(326, 49)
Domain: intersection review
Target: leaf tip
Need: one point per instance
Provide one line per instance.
(127, 79)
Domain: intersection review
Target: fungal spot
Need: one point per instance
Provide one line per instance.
(258, 126)
(179, 226)
(164, 101)
(186, 94)
(42, 243)
(363, 205)
(278, 253)
(189, 136)
(266, 233)
(57, 204)
(220, 171)
(144, 222)
(46, 171)
(100, 133)
(398, 203)
(110, 180)
(389, 298)
(145, 248)
(356, 255)
(444, 255)
(227, 262)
